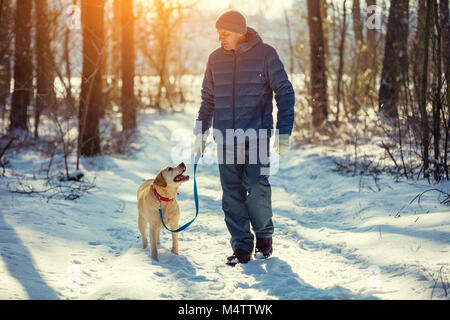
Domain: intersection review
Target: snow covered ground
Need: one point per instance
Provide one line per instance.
(334, 238)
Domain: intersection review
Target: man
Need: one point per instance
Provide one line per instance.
(237, 93)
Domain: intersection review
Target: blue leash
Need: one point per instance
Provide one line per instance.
(195, 199)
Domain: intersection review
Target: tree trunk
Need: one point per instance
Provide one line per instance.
(68, 67)
(417, 54)
(318, 77)
(371, 42)
(116, 48)
(445, 27)
(44, 73)
(5, 54)
(164, 27)
(423, 96)
(395, 64)
(341, 59)
(291, 46)
(23, 68)
(359, 37)
(128, 99)
(67, 64)
(91, 86)
(326, 33)
(437, 103)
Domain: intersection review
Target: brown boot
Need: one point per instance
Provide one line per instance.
(263, 248)
(239, 256)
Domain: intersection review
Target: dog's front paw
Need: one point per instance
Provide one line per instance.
(154, 254)
(175, 251)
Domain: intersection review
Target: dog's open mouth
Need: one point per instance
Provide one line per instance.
(180, 177)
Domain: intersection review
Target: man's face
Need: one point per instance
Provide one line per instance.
(229, 39)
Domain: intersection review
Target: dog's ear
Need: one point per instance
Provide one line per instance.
(160, 181)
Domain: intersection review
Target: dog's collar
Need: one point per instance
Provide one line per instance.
(161, 197)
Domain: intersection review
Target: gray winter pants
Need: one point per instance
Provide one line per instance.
(246, 198)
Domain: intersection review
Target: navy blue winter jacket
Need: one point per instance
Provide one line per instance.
(238, 86)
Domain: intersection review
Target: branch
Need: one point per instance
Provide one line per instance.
(7, 147)
(446, 201)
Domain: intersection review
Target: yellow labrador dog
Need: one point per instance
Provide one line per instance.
(158, 193)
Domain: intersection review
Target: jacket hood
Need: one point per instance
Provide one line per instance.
(253, 39)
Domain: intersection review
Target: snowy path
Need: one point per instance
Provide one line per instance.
(333, 239)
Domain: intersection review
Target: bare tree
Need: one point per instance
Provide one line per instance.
(67, 64)
(359, 36)
(395, 63)
(341, 59)
(372, 43)
(163, 38)
(5, 53)
(291, 45)
(128, 98)
(23, 69)
(423, 96)
(92, 18)
(162, 32)
(318, 78)
(44, 64)
(437, 101)
(326, 25)
(115, 54)
(417, 54)
(445, 26)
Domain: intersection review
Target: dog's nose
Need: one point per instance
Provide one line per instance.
(182, 165)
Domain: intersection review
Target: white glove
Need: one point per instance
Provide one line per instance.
(281, 143)
(199, 144)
